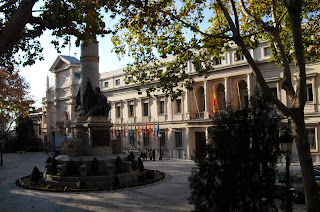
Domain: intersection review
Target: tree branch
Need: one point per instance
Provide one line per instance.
(8, 4)
(12, 32)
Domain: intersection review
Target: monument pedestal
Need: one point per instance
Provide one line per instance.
(99, 142)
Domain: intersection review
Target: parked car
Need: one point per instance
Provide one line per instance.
(297, 173)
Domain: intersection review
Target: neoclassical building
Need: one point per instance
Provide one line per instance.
(183, 122)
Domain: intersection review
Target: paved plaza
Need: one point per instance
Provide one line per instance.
(168, 195)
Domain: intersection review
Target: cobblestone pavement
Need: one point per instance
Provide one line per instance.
(168, 195)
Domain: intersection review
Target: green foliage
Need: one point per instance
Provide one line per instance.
(35, 175)
(49, 160)
(135, 165)
(72, 169)
(116, 182)
(141, 178)
(140, 164)
(150, 174)
(238, 170)
(94, 166)
(53, 166)
(130, 156)
(25, 134)
(21, 26)
(192, 30)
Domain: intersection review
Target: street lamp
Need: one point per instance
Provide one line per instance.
(286, 140)
(160, 158)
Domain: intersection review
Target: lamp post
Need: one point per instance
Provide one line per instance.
(160, 158)
(286, 140)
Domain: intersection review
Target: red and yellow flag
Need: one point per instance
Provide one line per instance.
(214, 105)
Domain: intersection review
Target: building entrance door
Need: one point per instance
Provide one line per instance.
(200, 142)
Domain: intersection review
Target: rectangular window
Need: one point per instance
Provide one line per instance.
(238, 57)
(118, 109)
(217, 61)
(266, 51)
(130, 79)
(117, 81)
(163, 139)
(178, 105)
(274, 91)
(145, 109)
(160, 73)
(161, 107)
(106, 84)
(309, 97)
(178, 137)
(131, 114)
(312, 138)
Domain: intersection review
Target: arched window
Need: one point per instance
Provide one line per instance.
(243, 94)
(221, 97)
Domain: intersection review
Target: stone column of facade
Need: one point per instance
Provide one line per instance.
(226, 90)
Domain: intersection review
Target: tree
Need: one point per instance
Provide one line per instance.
(238, 171)
(25, 134)
(198, 31)
(24, 21)
(14, 101)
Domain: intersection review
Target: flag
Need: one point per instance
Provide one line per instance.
(121, 130)
(131, 132)
(158, 129)
(127, 129)
(150, 134)
(137, 133)
(214, 105)
(154, 129)
(146, 131)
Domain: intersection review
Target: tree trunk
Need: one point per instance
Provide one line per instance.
(309, 182)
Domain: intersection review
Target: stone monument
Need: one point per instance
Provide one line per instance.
(91, 129)
(90, 154)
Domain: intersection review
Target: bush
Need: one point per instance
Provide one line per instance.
(35, 175)
(49, 160)
(72, 169)
(53, 166)
(150, 174)
(116, 182)
(130, 156)
(94, 166)
(135, 165)
(237, 172)
(140, 164)
(141, 178)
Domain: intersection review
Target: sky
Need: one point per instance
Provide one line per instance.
(36, 75)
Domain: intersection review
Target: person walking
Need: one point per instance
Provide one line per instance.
(150, 154)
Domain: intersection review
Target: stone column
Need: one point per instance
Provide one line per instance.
(89, 65)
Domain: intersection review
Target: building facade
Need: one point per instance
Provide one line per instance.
(183, 122)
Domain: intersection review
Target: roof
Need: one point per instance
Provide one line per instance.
(69, 60)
